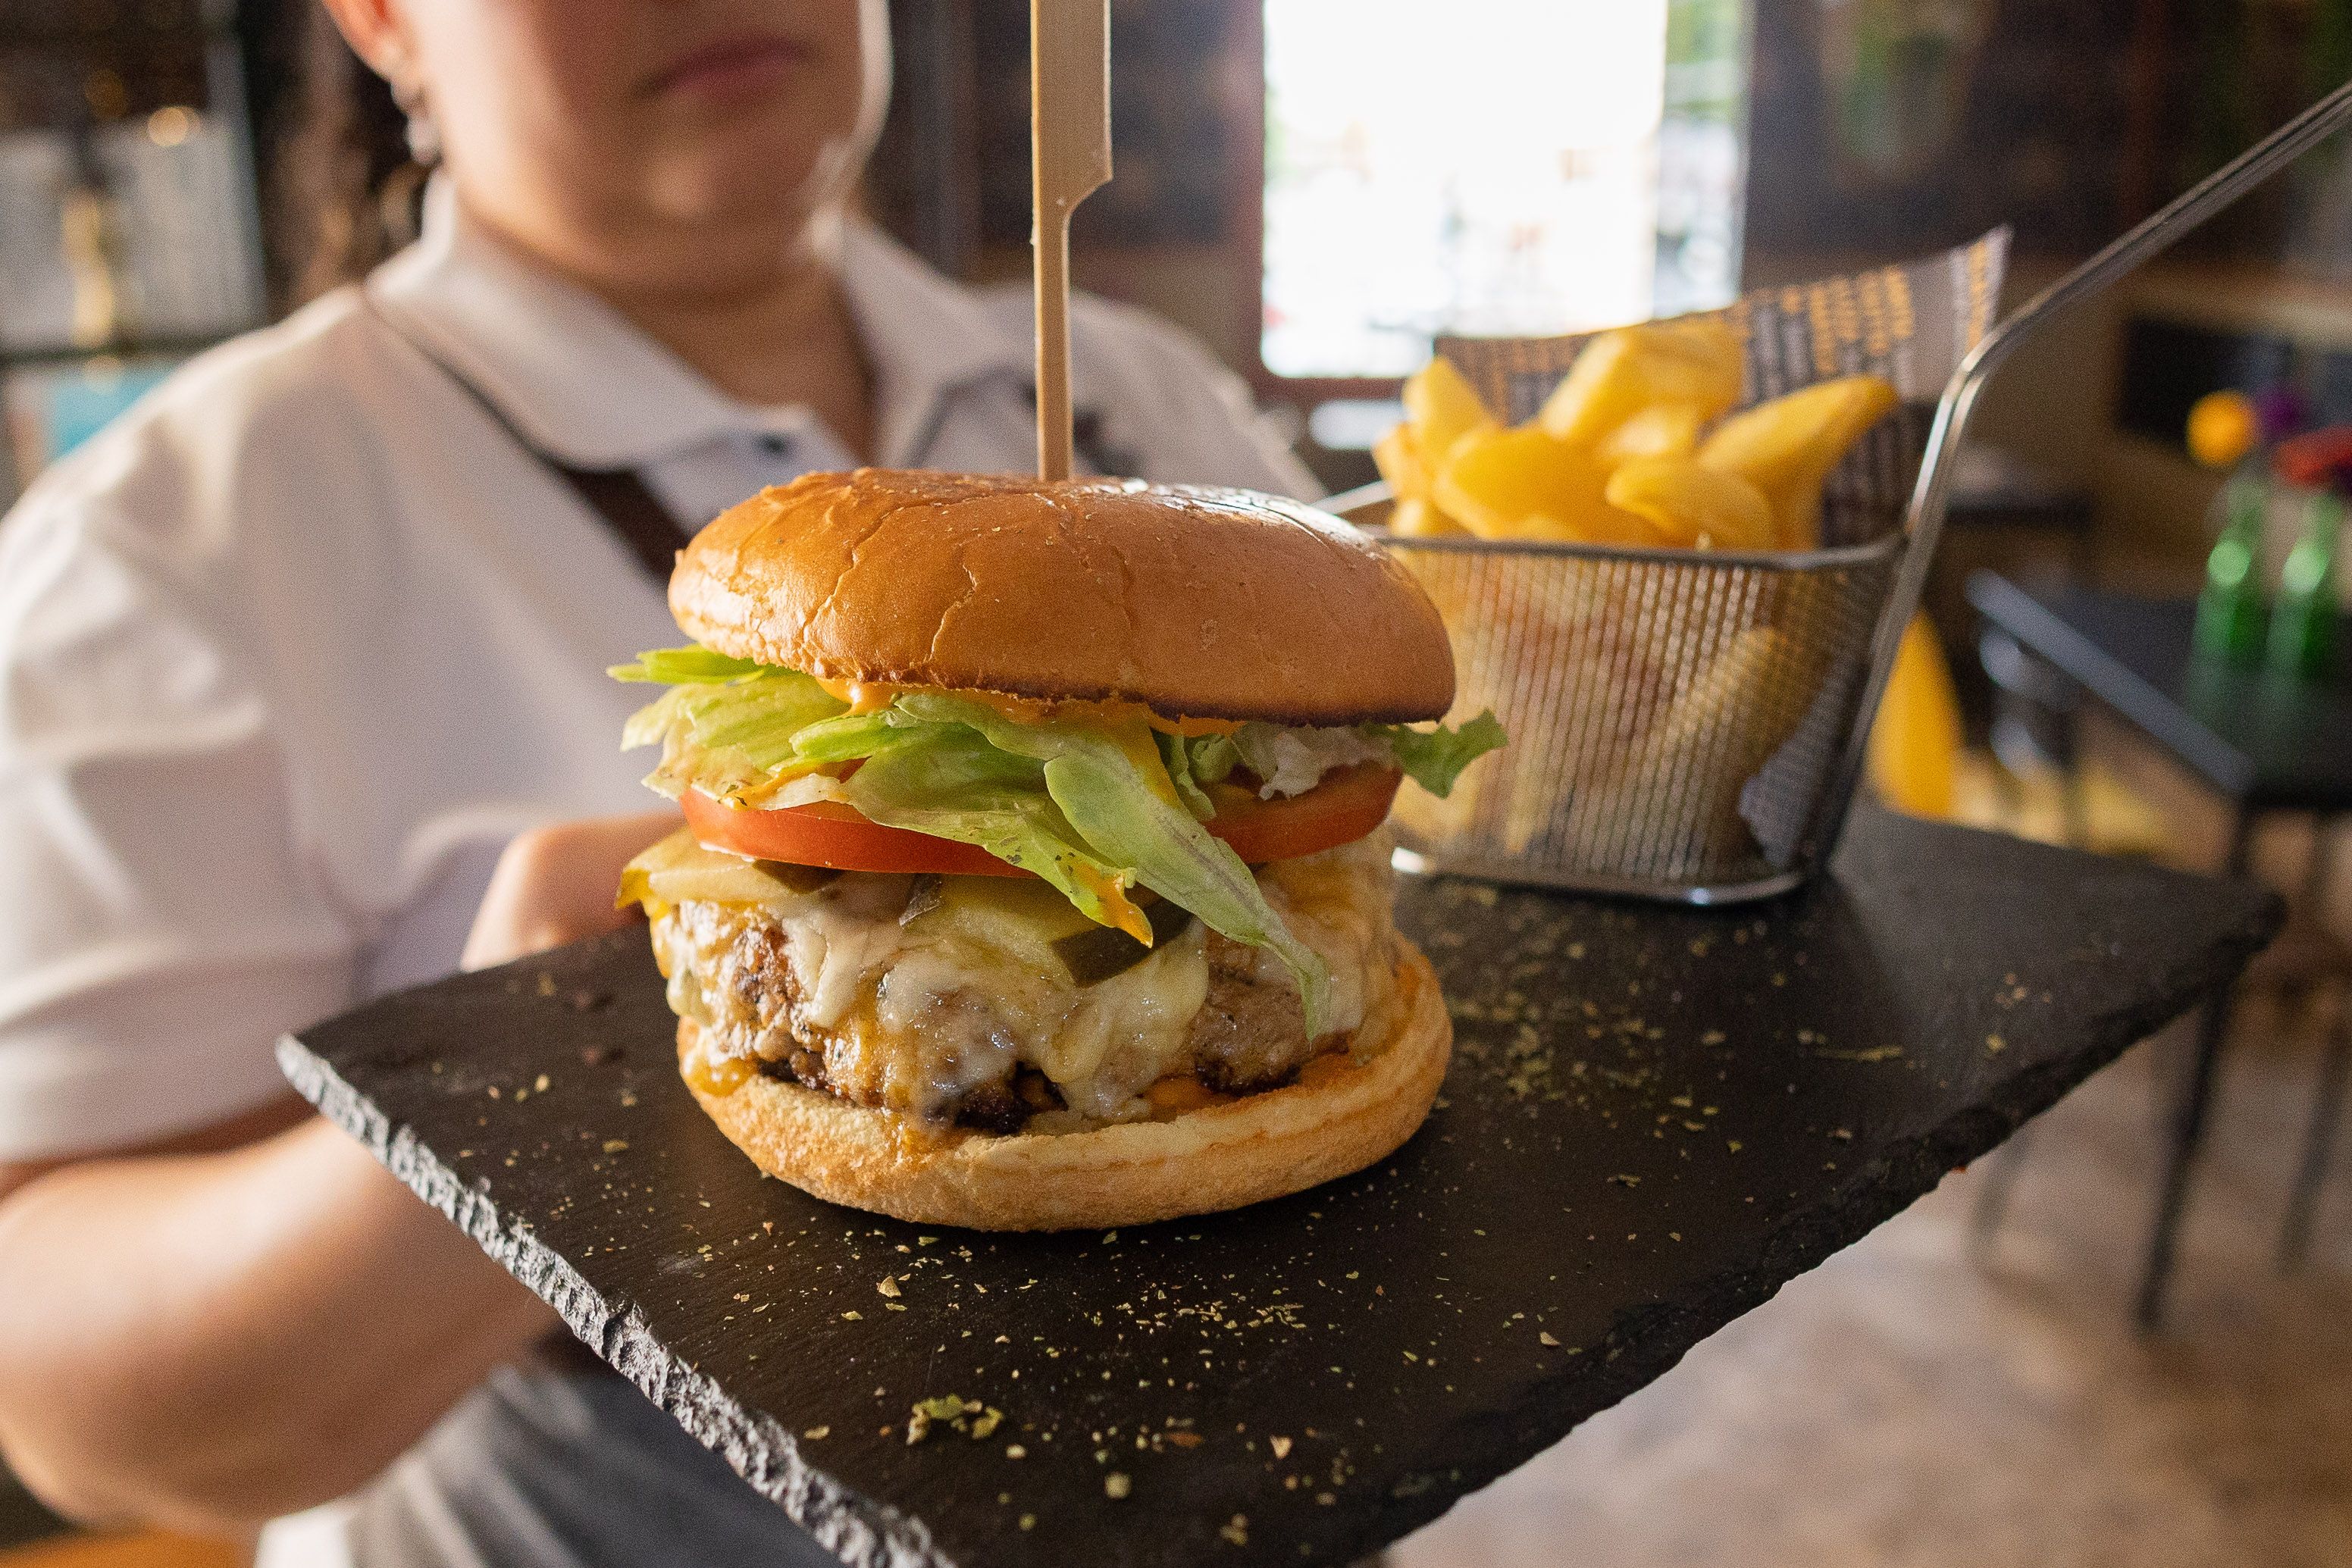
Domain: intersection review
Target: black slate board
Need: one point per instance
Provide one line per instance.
(1655, 1118)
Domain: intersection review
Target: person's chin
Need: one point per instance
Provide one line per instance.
(754, 168)
(710, 195)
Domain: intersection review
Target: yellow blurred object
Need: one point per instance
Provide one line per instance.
(1418, 519)
(2223, 428)
(142, 1549)
(1620, 373)
(1692, 506)
(1662, 430)
(1442, 408)
(2052, 808)
(1524, 484)
(1787, 447)
(1915, 743)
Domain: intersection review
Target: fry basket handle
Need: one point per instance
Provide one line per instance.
(1924, 521)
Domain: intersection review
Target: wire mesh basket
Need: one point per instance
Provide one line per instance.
(1692, 724)
(1675, 718)
(1678, 717)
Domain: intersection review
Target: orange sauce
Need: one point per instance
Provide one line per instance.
(721, 1077)
(1174, 1096)
(872, 697)
(1326, 1070)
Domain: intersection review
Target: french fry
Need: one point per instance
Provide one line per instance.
(1417, 518)
(1696, 507)
(1399, 458)
(1650, 794)
(1525, 483)
(1787, 447)
(1662, 430)
(1442, 408)
(1617, 455)
(1620, 373)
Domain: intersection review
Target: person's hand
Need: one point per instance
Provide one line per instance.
(555, 885)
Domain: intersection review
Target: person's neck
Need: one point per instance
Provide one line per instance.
(779, 334)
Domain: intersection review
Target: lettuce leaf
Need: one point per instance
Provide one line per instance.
(849, 737)
(1118, 812)
(1211, 757)
(1176, 756)
(693, 665)
(946, 780)
(733, 741)
(1434, 759)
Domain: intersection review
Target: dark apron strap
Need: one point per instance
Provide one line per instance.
(620, 496)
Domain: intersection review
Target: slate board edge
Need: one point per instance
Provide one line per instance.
(861, 1532)
(1490, 1446)
(1465, 1455)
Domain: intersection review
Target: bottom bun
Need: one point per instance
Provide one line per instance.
(1244, 1151)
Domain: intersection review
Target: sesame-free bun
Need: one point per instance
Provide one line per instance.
(1261, 1145)
(1195, 603)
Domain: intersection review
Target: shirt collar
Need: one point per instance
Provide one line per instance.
(592, 390)
(927, 337)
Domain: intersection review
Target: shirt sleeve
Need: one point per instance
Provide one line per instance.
(161, 926)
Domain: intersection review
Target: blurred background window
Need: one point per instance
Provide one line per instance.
(1494, 167)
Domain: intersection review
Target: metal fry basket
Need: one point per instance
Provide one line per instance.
(1675, 717)
(1692, 724)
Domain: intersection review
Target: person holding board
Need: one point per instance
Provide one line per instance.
(301, 660)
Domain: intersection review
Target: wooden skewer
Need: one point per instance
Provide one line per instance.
(1069, 159)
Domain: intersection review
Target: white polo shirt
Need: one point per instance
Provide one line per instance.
(290, 650)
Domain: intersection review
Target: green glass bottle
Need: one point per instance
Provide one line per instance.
(2229, 610)
(2303, 624)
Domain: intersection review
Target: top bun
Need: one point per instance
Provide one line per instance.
(1196, 602)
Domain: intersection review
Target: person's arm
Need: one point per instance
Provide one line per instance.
(207, 1340)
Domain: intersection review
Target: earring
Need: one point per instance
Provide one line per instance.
(423, 135)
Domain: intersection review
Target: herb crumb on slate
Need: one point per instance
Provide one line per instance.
(1117, 1485)
(966, 1416)
(1235, 1530)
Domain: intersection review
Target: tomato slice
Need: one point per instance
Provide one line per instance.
(1345, 804)
(1349, 803)
(828, 833)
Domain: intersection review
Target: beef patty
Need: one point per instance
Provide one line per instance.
(1249, 1034)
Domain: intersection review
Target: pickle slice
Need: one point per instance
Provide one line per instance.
(1099, 952)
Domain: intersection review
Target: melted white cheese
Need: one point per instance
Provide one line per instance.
(953, 997)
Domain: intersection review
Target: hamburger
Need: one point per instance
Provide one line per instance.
(1034, 875)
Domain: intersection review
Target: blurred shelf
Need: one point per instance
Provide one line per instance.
(125, 349)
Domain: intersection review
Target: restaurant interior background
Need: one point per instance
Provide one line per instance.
(1317, 188)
